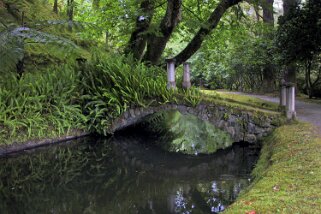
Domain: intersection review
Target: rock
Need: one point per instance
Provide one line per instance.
(232, 120)
(251, 128)
(137, 112)
(132, 113)
(231, 131)
(126, 114)
(251, 138)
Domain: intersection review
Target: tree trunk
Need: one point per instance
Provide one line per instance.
(138, 39)
(156, 42)
(290, 70)
(70, 13)
(205, 30)
(290, 73)
(55, 7)
(288, 5)
(268, 70)
(308, 80)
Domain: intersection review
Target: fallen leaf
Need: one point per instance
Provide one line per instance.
(276, 188)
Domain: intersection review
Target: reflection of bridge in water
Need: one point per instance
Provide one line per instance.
(122, 175)
(235, 161)
(207, 182)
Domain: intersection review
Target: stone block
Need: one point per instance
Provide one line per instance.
(231, 131)
(137, 112)
(251, 138)
(132, 113)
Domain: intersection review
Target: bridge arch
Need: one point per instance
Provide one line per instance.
(240, 124)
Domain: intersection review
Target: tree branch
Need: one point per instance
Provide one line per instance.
(205, 30)
(191, 12)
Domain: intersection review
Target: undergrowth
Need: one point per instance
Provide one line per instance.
(87, 97)
(112, 84)
(39, 105)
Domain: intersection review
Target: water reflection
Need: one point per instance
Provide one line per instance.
(122, 175)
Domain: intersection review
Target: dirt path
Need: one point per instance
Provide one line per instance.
(307, 112)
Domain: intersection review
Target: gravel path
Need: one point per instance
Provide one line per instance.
(307, 112)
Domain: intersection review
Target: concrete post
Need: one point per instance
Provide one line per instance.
(290, 104)
(171, 83)
(186, 76)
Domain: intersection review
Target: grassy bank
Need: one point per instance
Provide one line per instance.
(237, 101)
(288, 174)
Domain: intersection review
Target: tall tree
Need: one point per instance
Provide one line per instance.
(268, 70)
(205, 29)
(70, 13)
(299, 41)
(55, 7)
(155, 42)
(138, 39)
(291, 69)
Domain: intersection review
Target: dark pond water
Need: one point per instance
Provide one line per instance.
(124, 174)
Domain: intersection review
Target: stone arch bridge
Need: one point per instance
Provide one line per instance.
(242, 125)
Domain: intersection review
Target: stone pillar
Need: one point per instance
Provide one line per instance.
(290, 103)
(186, 76)
(171, 83)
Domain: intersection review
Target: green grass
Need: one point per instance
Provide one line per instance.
(288, 174)
(239, 102)
(242, 100)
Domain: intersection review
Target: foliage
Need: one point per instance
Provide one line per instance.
(299, 34)
(186, 133)
(235, 62)
(113, 83)
(299, 41)
(287, 174)
(39, 105)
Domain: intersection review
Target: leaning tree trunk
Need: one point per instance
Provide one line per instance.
(138, 39)
(268, 70)
(205, 30)
(156, 42)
